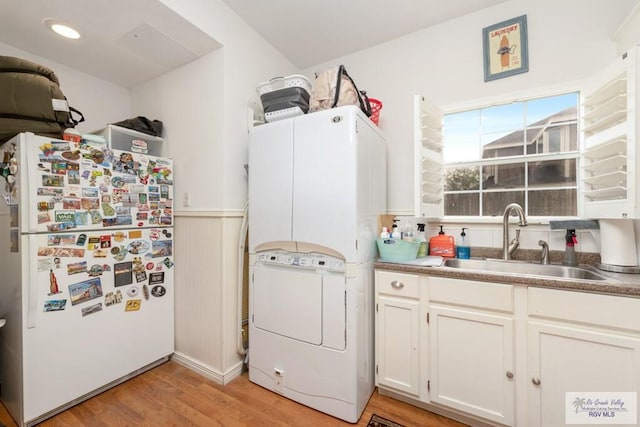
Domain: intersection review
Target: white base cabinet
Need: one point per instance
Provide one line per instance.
(579, 343)
(398, 329)
(471, 365)
(499, 354)
(471, 348)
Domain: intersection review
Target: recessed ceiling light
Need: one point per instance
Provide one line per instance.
(62, 29)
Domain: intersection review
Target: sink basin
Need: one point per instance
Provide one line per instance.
(524, 268)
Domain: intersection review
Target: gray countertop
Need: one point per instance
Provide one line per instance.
(616, 284)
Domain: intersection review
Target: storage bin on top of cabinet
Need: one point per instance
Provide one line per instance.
(120, 138)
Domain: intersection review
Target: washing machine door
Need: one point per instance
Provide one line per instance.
(300, 304)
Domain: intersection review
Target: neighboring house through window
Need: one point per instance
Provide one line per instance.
(524, 152)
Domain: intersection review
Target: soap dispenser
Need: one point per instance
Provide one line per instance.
(463, 250)
(570, 251)
(442, 244)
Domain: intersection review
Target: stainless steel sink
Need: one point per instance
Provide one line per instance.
(524, 268)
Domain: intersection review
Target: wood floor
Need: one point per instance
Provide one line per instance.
(172, 395)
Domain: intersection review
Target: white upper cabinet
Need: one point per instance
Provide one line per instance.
(609, 115)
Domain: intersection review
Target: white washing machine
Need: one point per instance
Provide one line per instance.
(311, 330)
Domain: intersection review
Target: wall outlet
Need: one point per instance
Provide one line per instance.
(186, 199)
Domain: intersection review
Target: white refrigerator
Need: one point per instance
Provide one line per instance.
(86, 262)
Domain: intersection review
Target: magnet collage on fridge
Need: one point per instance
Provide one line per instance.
(106, 217)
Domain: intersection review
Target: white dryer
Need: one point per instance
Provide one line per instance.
(317, 184)
(311, 330)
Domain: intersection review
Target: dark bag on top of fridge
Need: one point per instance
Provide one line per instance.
(334, 87)
(142, 124)
(31, 100)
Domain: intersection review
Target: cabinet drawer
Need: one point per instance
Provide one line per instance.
(399, 284)
(596, 309)
(484, 295)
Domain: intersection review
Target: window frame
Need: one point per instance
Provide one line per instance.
(526, 95)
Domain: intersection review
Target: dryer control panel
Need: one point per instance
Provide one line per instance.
(312, 261)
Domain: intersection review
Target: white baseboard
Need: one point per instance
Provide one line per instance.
(207, 371)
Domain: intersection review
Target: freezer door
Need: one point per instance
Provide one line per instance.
(79, 186)
(98, 306)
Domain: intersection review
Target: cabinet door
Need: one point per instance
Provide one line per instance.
(609, 132)
(429, 172)
(471, 362)
(397, 340)
(270, 183)
(570, 359)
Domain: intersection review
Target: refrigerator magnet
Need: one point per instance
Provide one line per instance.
(113, 298)
(122, 274)
(95, 270)
(108, 210)
(91, 309)
(156, 278)
(53, 284)
(141, 276)
(133, 305)
(161, 248)
(85, 290)
(76, 268)
(55, 305)
(133, 291)
(158, 291)
(138, 247)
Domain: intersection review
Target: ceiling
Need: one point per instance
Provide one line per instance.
(126, 42)
(311, 32)
(130, 42)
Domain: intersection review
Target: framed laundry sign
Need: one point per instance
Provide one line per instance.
(505, 48)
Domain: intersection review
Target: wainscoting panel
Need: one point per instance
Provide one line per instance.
(205, 289)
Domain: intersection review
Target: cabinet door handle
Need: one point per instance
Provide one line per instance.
(509, 374)
(397, 285)
(535, 381)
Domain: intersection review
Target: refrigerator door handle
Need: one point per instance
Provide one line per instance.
(31, 279)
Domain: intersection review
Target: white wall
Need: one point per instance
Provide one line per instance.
(189, 101)
(247, 60)
(568, 41)
(628, 35)
(204, 106)
(101, 102)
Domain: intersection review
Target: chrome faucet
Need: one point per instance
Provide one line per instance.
(508, 248)
(544, 252)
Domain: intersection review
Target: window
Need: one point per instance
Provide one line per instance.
(524, 152)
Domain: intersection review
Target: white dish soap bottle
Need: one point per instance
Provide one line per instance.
(395, 233)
